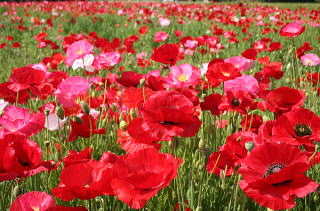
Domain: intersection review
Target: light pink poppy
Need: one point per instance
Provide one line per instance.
(20, 121)
(241, 63)
(78, 50)
(161, 36)
(164, 21)
(310, 59)
(39, 66)
(34, 200)
(183, 75)
(71, 88)
(244, 83)
(106, 60)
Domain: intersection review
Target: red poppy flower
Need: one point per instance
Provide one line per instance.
(300, 126)
(166, 54)
(220, 72)
(251, 122)
(239, 101)
(221, 162)
(142, 174)
(284, 99)
(12, 96)
(74, 185)
(85, 128)
(302, 49)
(20, 157)
(292, 30)
(273, 175)
(250, 54)
(130, 78)
(166, 114)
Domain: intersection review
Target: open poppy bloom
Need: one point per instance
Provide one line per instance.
(20, 157)
(221, 71)
(292, 30)
(16, 120)
(140, 175)
(165, 114)
(273, 175)
(183, 75)
(166, 54)
(297, 127)
(278, 101)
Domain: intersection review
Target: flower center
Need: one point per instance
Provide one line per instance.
(227, 74)
(182, 78)
(79, 52)
(167, 123)
(274, 168)
(235, 102)
(302, 130)
(35, 208)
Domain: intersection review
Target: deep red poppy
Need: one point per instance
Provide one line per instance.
(20, 157)
(299, 126)
(166, 114)
(239, 101)
(130, 78)
(166, 54)
(211, 103)
(142, 174)
(74, 185)
(85, 128)
(284, 99)
(273, 175)
(220, 72)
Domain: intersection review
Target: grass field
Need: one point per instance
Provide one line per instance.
(32, 33)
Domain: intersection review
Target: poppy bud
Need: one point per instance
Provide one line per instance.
(85, 108)
(142, 82)
(47, 143)
(60, 112)
(123, 125)
(46, 112)
(199, 208)
(78, 120)
(16, 191)
(201, 144)
(249, 145)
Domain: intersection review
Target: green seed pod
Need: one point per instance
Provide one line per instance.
(46, 112)
(60, 112)
(201, 144)
(16, 191)
(123, 125)
(46, 143)
(78, 120)
(85, 108)
(249, 145)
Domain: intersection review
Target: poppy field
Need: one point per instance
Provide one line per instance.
(159, 106)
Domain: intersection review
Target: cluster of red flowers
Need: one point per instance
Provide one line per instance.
(151, 109)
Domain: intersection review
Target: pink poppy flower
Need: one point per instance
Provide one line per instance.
(241, 63)
(161, 36)
(310, 59)
(292, 30)
(183, 75)
(164, 21)
(71, 88)
(78, 50)
(34, 200)
(244, 83)
(106, 60)
(16, 120)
